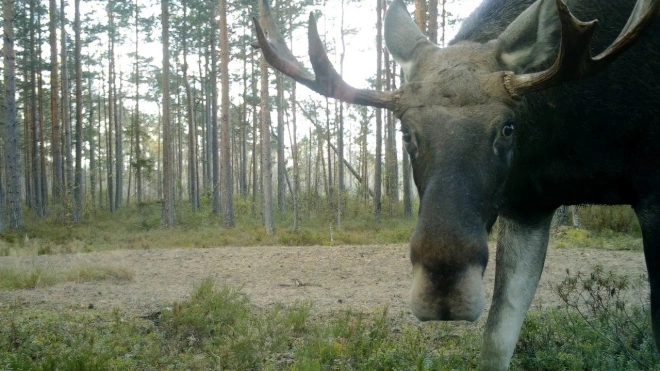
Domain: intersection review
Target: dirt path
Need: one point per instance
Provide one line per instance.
(360, 277)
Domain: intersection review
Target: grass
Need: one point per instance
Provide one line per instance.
(563, 237)
(218, 328)
(36, 276)
(138, 227)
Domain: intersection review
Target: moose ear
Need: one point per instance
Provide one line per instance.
(532, 38)
(402, 37)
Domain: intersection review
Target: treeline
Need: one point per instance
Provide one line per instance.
(97, 116)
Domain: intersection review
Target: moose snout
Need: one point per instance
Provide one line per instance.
(448, 296)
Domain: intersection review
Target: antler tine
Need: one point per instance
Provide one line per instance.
(574, 60)
(327, 81)
(276, 52)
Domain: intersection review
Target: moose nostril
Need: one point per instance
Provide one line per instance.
(459, 299)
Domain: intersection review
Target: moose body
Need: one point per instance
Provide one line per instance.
(495, 129)
(591, 141)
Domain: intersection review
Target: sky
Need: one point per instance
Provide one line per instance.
(360, 54)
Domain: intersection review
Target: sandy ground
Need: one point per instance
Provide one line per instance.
(363, 278)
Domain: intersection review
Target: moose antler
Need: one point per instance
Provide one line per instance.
(574, 60)
(327, 81)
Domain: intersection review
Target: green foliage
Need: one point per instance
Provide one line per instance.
(139, 227)
(605, 239)
(23, 277)
(619, 219)
(218, 328)
(604, 325)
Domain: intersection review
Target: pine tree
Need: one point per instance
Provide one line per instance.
(227, 190)
(14, 207)
(168, 168)
(56, 148)
(266, 172)
(77, 190)
(379, 115)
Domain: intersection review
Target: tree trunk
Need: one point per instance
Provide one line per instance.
(420, 14)
(443, 25)
(255, 162)
(577, 223)
(179, 140)
(328, 193)
(214, 119)
(111, 109)
(77, 191)
(159, 157)
(266, 174)
(119, 143)
(168, 173)
(208, 177)
(340, 131)
(244, 123)
(14, 207)
(433, 20)
(92, 145)
(192, 134)
(227, 185)
(40, 95)
(36, 159)
(407, 192)
(561, 217)
(138, 145)
(101, 123)
(281, 190)
(27, 150)
(66, 113)
(294, 139)
(56, 148)
(379, 119)
(391, 157)
(345, 163)
(2, 190)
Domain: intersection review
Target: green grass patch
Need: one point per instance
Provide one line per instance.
(563, 237)
(12, 278)
(92, 272)
(617, 219)
(138, 227)
(26, 278)
(218, 328)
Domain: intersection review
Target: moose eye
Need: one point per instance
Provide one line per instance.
(507, 130)
(406, 137)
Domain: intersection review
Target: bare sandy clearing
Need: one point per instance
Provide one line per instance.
(363, 278)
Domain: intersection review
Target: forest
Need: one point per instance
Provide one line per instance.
(169, 202)
(118, 102)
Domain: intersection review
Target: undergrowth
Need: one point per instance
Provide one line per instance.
(218, 328)
(36, 276)
(138, 227)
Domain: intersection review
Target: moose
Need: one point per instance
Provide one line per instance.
(510, 121)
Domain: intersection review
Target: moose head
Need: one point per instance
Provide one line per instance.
(458, 111)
